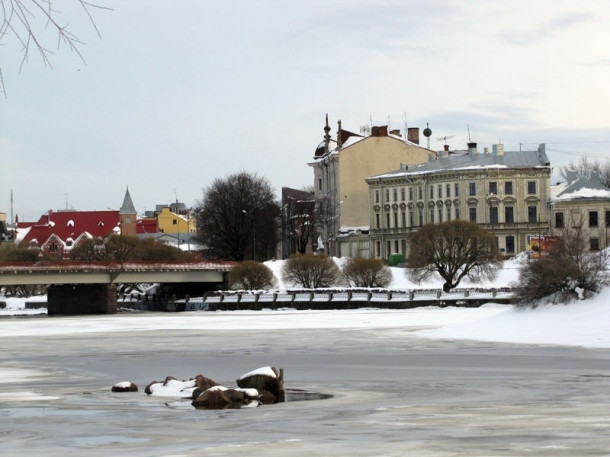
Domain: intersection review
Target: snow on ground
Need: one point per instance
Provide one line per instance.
(583, 323)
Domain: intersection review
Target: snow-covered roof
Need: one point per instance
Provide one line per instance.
(474, 161)
(581, 188)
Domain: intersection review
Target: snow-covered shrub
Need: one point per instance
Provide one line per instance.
(362, 272)
(250, 275)
(562, 275)
(310, 271)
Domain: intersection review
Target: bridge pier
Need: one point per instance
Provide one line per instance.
(82, 299)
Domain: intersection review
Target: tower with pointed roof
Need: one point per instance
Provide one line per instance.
(127, 216)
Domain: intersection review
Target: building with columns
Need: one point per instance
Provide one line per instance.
(508, 193)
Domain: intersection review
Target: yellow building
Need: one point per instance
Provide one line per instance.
(508, 193)
(341, 167)
(170, 222)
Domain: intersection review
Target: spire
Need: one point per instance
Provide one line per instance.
(127, 206)
(326, 136)
(339, 135)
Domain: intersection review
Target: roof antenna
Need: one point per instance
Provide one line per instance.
(468, 127)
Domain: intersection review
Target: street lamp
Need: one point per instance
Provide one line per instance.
(253, 233)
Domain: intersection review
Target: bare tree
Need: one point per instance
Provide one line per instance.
(585, 168)
(238, 218)
(455, 250)
(300, 219)
(567, 271)
(30, 21)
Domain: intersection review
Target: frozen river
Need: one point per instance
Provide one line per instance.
(394, 394)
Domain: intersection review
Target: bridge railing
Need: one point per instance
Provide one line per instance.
(345, 298)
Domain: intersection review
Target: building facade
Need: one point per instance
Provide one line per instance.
(341, 166)
(508, 193)
(582, 204)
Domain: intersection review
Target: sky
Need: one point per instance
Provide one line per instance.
(545, 324)
(176, 94)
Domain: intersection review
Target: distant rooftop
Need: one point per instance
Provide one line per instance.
(476, 160)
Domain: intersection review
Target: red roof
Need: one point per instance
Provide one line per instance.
(70, 224)
(147, 225)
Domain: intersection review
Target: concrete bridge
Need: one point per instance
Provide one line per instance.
(91, 287)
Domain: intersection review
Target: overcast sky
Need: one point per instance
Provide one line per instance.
(176, 93)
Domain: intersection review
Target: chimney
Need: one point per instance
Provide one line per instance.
(395, 132)
(413, 134)
(472, 149)
(497, 149)
(379, 131)
(403, 166)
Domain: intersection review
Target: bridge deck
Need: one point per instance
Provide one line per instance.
(71, 272)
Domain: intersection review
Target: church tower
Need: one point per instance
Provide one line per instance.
(127, 216)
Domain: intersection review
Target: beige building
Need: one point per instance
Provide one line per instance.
(341, 166)
(582, 204)
(506, 192)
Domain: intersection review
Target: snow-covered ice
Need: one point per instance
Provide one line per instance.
(582, 323)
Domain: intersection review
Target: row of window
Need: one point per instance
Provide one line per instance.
(400, 246)
(441, 214)
(577, 220)
(444, 191)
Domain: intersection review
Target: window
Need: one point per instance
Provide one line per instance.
(395, 194)
(404, 219)
(493, 188)
(440, 191)
(378, 248)
(509, 215)
(558, 220)
(420, 192)
(402, 194)
(531, 187)
(472, 188)
(377, 220)
(376, 196)
(388, 247)
(396, 246)
(387, 195)
(594, 244)
(457, 190)
(472, 214)
(421, 218)
(449, 190)
(440, 215)
(411, 218)
(607, 218)
(432, 216)
(508, 187)
(510, 244)
(431, 192)
(448, 213)
(387, 220)
(319, 183)
(395, 219)
(457, 213)
(493, 214)
(592, 218)
(174, 221)
(410, 194)
(532, 214)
